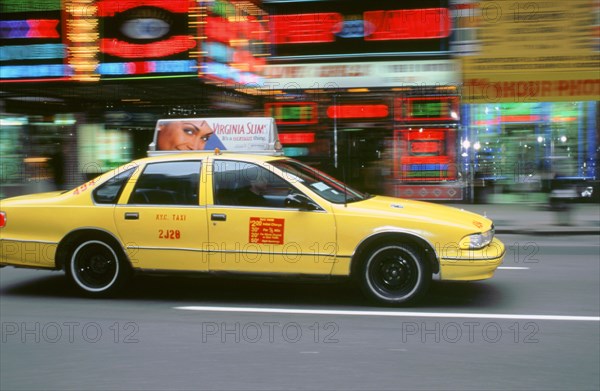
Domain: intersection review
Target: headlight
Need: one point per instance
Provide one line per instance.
(477, 241)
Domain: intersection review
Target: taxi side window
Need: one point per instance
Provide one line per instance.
(168, 183)
(110, 191)
(246, 184)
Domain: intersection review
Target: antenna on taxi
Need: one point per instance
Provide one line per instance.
(345, 186)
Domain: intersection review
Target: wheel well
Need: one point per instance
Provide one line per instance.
(424, 249)
(69, 242)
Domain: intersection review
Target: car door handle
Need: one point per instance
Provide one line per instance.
(218, 217)
(132, 215)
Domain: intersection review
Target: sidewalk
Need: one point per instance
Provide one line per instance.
(537, 219)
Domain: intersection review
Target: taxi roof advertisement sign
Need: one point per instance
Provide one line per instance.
(247, 134)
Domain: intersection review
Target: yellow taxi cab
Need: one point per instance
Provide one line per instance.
(252, 214)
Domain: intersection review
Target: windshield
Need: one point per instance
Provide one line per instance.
(327, 187)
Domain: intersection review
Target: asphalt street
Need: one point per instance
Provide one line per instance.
(534, 326)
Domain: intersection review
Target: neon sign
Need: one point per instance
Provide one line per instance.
(381, 25)
(31, 28)
(304, 28)
(164, 48)
(112, 7)
(33, 48)
(357, 111)
(34, 71)
(33, 52)
(408, 24)
(146, 67)
(425, 155)
(383, 28)
(427, 108)
(297, 138)
(292, 113)
(233, 43)
(146, 37)
(82, 35)
(11, 6)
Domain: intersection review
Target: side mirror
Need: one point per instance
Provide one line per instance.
(300, 201)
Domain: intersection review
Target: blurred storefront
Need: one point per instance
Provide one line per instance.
(530, 96)
(368, 92)
(84, 81)
(530, 148)
(472, 100)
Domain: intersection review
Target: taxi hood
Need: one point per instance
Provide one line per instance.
(426, 211)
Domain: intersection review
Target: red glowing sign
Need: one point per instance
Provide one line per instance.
(112, 7)
(219, 29)
(425, 142)
(425, 155)
(421, 147)
(358, 111)
(305, 28)
(424, 134)
(428, 23)
(297, 138)
(167, 47)
(223, 30)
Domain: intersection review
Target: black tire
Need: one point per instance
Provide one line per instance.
(97, 268)
(395, 274)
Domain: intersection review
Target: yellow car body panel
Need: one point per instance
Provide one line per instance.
(196, 238)
(38, 222)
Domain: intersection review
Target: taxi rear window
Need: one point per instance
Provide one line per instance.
(109, 191)
(168, 183)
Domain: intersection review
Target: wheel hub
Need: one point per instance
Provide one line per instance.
(395, 272)
(99, 264)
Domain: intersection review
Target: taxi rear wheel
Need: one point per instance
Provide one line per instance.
(395, 274)
(95, 268)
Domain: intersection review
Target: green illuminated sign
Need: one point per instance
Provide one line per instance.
(429, 109)
(10, 6)
(285, 113)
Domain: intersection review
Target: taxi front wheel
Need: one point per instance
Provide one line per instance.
(95, 268)
(395, 274)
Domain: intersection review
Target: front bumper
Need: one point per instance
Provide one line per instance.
(471, 265)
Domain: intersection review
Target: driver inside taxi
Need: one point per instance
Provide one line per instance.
(253, 195)
(183, 135)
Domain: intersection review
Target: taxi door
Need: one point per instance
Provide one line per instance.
(160, 220)
(251, 230)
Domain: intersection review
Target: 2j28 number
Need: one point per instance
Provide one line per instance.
(169, 234)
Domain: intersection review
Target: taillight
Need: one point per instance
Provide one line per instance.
(2, 219)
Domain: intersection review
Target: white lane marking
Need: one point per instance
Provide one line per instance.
(513, 268)
(387, 313)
